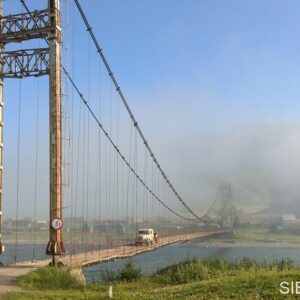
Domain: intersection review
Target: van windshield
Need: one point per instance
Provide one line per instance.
(143, 231)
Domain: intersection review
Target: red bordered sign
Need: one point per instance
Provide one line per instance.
(57, 223)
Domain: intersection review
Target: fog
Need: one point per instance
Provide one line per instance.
(260, 161)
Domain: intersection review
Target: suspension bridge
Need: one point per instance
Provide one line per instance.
(103, 174)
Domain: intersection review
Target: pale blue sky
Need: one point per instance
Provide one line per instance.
(218, 63)
(187, 67)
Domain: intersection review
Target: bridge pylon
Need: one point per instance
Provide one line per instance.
(226, 212)
(22, 63)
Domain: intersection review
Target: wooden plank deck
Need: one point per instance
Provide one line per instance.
(82, 260)
(9, 274)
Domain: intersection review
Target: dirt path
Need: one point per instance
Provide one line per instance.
(9, 275)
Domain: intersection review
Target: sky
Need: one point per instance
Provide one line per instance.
(218, 63)
(187, 68)
(221, 64)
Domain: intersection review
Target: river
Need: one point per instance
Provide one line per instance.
(162, 257)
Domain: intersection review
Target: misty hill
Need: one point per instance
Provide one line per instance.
(261, 161)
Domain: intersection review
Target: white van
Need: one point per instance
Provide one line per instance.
(145, 236)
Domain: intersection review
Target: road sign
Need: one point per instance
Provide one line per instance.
(56, 223)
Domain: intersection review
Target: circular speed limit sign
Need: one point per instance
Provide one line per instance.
(56, 223)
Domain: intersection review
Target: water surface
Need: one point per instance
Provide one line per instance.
(163, 257)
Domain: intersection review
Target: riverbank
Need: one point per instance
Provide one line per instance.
(196, 279)
(226, 244)
(251, 238)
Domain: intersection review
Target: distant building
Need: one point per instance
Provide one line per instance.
(41, 225)
(289, 218)
(291, 223)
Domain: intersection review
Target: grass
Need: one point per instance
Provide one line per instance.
(265, 236)
(195, 279)
(128, 273)
(50, 279)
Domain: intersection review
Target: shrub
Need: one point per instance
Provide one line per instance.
(285, 264)
(50, 278)
(107, 276)
(217, 264)
(199, 269)
(184, 272)
(248, 263)
(130, 272)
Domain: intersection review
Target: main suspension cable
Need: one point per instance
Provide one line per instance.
(112, 142)
(118, 89)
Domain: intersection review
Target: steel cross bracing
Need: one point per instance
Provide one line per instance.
(20, 27)
(25, 63)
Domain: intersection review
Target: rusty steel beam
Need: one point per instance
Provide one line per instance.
(55, 246)
(25, 63)
(38, 62)
(25, 26)
(1, 138)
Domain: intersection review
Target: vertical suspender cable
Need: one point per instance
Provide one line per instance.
(127, 190)
(36, 171)
(83, 228)
(110, 204)
(136, 182)
(99, 156)
(87, 242)
(18, 170)
(135, 197)
(73, 145)
(122, 97)
(77, 169)
(106, 194)
(144, 189)
(117, 176)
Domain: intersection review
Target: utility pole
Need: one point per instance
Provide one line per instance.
(38, 24)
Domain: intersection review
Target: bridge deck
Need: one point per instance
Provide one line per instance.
(10, 273)
(82, 260)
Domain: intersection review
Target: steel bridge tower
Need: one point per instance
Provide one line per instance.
(38, 24)
(226, 212)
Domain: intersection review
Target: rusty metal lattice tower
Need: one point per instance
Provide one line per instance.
(37, 62)
(226, 212)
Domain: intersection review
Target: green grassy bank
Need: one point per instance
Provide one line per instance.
(195, 279)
